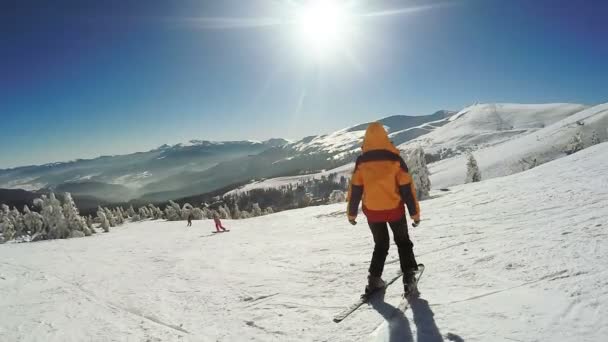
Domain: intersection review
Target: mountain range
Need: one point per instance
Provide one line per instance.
(507, 138)
(199, 166)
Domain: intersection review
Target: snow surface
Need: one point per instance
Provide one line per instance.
(487, 124)
(514, 155)
(345, 170)
(517, 258)
(505, 138)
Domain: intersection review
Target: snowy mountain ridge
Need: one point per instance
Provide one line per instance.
(506, 138)
(200, 166)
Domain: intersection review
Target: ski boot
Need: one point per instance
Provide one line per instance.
(374, 284)
(409, 284)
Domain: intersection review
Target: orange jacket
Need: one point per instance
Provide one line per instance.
(382, 180)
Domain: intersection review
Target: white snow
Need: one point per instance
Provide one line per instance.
(26, 183)
(338, 141)
(514, 155)
(487, 124)
(345, 170)
(132, 180)
(517, 258)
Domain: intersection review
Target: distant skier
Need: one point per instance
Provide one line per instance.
(218, 223)
(381, 178)
(190, 218)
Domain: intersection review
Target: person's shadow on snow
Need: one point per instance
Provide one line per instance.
(426, 328)
(398, 326)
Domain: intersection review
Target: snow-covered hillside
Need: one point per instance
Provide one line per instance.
(342, 142)
(525, 151)
(517, 258)
(487, 124)
(278, 182)
(507, 138)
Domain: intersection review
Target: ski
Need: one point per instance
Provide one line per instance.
(366, 297)
(221, 231)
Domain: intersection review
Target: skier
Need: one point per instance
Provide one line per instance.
(218, 223)
(190, 217)
(382, 180)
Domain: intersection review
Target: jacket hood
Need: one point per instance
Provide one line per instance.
(376, 138)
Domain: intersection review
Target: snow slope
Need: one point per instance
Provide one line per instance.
(278, 182)
(517, 154)
(488, 124)
(349, 139)
(517, 258)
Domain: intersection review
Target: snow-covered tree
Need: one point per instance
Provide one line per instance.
(268, 211)
(103, 220)
(120, 215)
(224, 213)
(416, 163)
(595, 139)
(110, 217)
(155, 212)
(33, 221)
(575, 144)
(197, 214)
(245, 214)
(142, 214)
(7, 229)
(131, 211)
(173, 211)
(18, 224)
(186, 210)
(54, 219)
(90, 224)
(256, 210)
(207, 213)
(337, 196)
(73, 219)
(236, 212)
(473, 173)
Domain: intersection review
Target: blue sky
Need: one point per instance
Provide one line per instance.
(80, 79)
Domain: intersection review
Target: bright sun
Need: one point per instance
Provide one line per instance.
(323, 27)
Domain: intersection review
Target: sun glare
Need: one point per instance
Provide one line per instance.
(323, 27)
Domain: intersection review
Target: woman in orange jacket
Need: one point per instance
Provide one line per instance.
(381, 179)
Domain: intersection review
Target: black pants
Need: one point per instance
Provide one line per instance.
(382, 243)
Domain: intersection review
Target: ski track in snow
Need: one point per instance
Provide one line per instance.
(518, 258)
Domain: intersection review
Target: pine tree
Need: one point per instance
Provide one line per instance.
(575, 144)
(74, 221)
(103, 220)
(337, 196)
(131, 211)
(173, 211)
(33, 221)
(236, 212)
(56, 224)
(473, 173)
(197, 214)
(7, 229)
(595, 139)
(416, 163)
(142, 214)
(110, 217)
(224, 213)
(256, 210)
(186, 210)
